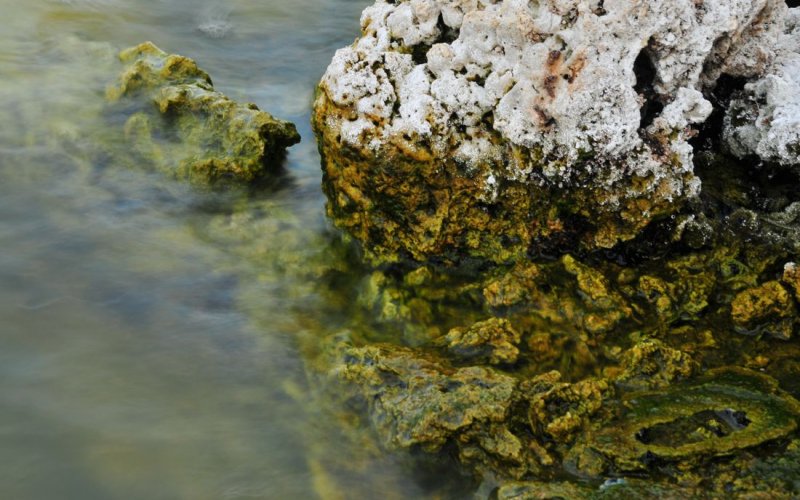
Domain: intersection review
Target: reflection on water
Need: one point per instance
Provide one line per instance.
(128, 367)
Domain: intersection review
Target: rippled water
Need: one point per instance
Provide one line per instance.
(130, 365)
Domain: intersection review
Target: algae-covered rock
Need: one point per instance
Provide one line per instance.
(560, 409)
(651, 365)
(515, 287)
(540, 490)
(176, 121)
(493, 341)
(612, 489)
(768, 308)
(414, 400)
(456, 130)
(608, 307)
(731, 410)
(776, 477)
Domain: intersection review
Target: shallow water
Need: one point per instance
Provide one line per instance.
(130, 366)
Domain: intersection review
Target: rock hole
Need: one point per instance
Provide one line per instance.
(446, 33)
(419, 53)
(709, 134)
(645, 72)
(793, 3)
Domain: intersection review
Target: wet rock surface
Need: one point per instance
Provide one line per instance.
(493, 341)
(455, 130)
(531, 428)
(538, 291)
(731, 410)
(768, 306)
(176, 122)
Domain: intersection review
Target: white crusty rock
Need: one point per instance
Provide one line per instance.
(593, 98)
(764, 120)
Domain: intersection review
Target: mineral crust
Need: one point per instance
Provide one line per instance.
(764, 119)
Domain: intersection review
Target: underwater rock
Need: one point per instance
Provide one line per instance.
(454, 130)
(414, 400)
(497, 423)
(179, 124)
(764, 119)
(768, 307)
(559, 409)
(515, 287)
(612, 489)
(651, 365)
(608, 307)
(732, 409)
(775, 477)
(540, 490)
(493, 341)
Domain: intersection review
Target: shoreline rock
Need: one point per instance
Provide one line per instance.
(177, 122)
(480, 130)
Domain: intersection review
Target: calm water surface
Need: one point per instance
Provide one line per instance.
(130, 364)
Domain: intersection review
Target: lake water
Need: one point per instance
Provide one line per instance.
(147, 331)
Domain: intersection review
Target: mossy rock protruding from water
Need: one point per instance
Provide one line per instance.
(731, 410)
(177, 123)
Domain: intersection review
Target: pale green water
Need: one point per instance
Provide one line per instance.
(129, 366)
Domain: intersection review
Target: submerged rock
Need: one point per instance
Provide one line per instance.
(731, 410)
(768, 307)
(559, 410)
(414, 400)
(494, 341)
(651, 365)
(487, 129)
(178, 123)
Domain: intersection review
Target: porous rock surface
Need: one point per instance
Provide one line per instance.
(764, 119)
(492, 128)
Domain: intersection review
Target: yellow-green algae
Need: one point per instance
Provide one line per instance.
(387, 368)
(404, 201)
(594, 332)
(177, 123)
(591, 331)
(729, 410)
(493, 341)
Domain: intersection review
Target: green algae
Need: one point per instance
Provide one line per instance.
(649, 344)
(387, 368)
(177, 123)
(730, 410)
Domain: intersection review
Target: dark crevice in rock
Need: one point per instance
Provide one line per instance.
(710, 133)
(446, 33)
(645, 72)
(793, 3)
(419, 53)
(600, 10)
